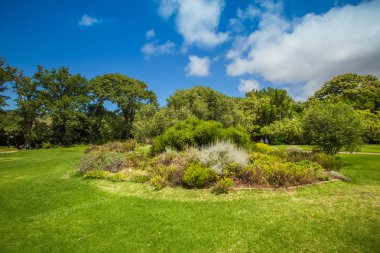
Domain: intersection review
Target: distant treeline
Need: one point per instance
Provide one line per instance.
(56, 107)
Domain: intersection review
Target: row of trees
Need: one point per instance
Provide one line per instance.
(55, 106)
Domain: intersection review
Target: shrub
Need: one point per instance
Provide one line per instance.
(282, 174)
(328, 162)
(262, 148)
(217, 156)
(46, 145)
(98, 174)
(193, 132)
(223, 185)
(137, 176)
(333, 127)
(116, 146)
(197, 176)
(284, 131)
(111, 161)
(171, 165)
(158, 182)
(237, 136)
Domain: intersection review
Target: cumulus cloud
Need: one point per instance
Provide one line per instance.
(248, 85)
(196, 20)
(86, 20)
(155, 48)
(198, 66)
(150, 34)
(312, 49)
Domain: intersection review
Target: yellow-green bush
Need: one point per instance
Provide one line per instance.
(262, 148)
(198, 176)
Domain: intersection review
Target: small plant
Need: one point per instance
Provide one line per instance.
(262, 148)
(110, 161)
(98, 174)
(158, 182)
(222, 154)
(197, 176)
(115, 146)
(223, 185)
(46, 145)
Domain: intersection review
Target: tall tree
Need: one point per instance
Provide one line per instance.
(64, 98)
(7, 74)
(261, 108)
(127, 93)
(360, 91)
(27, 90)
(206, 104)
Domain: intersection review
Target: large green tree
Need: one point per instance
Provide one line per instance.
(28, 102)
(7, 74)
(64, 98)
(151, 122)
(127, 93)
(263, 107)
(333, 127)
(206, 104)
(361, 91)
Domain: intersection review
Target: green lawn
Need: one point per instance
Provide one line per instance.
(45, 207)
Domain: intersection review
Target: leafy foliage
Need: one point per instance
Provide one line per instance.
(205, 104)
(223, 185)
(286, 130)
(362, 92)
(333, 127)
(194, 132)
(198, 176)
(127, 93)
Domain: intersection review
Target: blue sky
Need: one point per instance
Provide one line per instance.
(232, 46)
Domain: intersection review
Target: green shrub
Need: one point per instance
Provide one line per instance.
(116, 177)
(328, 162)
(271, 172)
(171, 165)
(98, 174)
(232, 169)
(137, 176)
(158, 182)
(115, 146)
(262, 148)
(197, 176)
(237, 136)
(193, 132)
(223, 185)
(46, 145)
(110, 161)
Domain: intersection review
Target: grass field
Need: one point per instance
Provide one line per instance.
(45, 207)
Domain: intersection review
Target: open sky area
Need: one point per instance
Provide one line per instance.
(232, 46)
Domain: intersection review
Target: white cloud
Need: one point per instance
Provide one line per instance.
(248, 85)
(86, 20)
(198, 66)
(154, 48)
(150, 34)
(196, 20)
(167, 7)
(312, 49)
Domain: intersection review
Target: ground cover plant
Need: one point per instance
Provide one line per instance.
(46, 207)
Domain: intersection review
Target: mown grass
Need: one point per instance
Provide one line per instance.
(45, 207)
